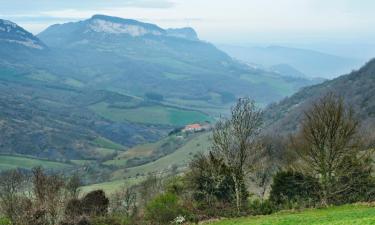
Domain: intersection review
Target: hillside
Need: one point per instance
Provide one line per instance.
(86, 90)
(357, 88)
(133, 57)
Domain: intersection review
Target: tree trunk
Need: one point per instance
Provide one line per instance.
(237, 188)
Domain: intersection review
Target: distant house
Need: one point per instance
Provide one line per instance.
(196, 127)
(193, 128)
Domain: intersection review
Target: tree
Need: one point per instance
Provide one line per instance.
(269, 162)
(327, 138)
(124, 202)
(13, 201)
(49, 196)
(210, 180)
(235, 142)
(73, 185)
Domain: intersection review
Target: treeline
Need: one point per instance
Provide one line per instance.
(329, 161)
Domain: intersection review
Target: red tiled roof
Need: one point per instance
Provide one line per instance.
(193, 126)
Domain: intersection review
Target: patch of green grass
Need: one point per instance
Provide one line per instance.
(108, 144)
(103, 152)
(111, 186)
(342, 215)
(81, 162)
(13, 162)
(180, 158)
(151, 114)
(73, 82)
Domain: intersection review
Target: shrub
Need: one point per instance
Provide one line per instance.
(290, 186)
(360, 181)
(95, 203)
(5, 221)
(258, 207)
(163, 209)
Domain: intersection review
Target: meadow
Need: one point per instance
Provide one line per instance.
(135, 175)
(338, 215)
(12, 162)
(154, 114)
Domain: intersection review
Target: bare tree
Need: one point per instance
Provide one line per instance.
(48, 193)
(72, 186)
(270, 161)
(13, 202)
(124, 202)
(235, 142)
(325, 142)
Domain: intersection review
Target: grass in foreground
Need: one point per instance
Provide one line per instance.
(341, 215)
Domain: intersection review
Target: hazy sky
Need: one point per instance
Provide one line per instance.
(220, 21)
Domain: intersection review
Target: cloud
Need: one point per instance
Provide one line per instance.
(22, 6)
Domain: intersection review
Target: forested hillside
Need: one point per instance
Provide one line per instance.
(356, 88)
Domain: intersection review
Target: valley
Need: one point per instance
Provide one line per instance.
(127, 113)
(83, 94)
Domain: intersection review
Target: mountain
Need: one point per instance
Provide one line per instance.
(90, 89)
(311, 63)
(137, 57)
(18, 44)
(357, 89)
(12, 34)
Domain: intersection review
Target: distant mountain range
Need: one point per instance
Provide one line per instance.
(312, 64)
(87, 89)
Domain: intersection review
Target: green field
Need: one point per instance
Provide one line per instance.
(108, 144)
(342, 215)
(134, 175)
(180, 158)
(156, 114)
(111, 186)
(13, 162)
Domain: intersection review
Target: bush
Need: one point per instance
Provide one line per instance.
(163, 209)
(360, 181)
(5, 221)
(258, 207)
(294, 187)
(95, 203)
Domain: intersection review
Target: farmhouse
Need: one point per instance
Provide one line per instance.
(193, 128)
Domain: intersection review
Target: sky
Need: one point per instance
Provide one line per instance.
(302, 22)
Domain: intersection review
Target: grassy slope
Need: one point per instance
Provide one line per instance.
(348, 214)
(180, 158)
(13, 162)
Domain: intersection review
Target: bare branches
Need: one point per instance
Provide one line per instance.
(328, 137)
(235, 142)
